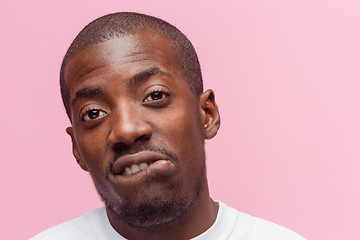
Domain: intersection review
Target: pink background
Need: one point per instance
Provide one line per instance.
(286, 77)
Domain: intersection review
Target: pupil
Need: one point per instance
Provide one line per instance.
(93, 113)
(156, 95)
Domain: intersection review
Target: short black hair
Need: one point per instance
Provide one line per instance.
(128, 23)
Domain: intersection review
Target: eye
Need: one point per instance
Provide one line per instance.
(93, 114)
(156, 96)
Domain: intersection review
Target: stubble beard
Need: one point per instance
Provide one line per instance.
(156, 213)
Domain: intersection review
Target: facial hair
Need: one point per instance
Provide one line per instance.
(154, 213)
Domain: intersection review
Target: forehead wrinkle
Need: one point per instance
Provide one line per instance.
(94, 69)
(127, 59)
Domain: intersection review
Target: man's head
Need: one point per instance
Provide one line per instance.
(139, 119)
(127, 23)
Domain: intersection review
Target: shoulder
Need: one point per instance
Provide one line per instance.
(79, 228)
(249, 227)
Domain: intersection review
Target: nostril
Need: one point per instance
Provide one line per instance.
(143, 137)
(121, 147)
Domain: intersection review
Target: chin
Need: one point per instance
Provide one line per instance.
(155, 212)
(152, 212)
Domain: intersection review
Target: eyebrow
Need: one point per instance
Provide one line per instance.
(135, 79)
(145, 75)
(87, 92)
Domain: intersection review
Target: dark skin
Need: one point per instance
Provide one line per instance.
(130, 105)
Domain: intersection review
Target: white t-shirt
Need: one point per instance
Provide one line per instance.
(230, 224)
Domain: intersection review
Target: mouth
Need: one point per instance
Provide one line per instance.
(135, 168)
(144, 161)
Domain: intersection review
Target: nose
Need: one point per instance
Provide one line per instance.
(128, 126)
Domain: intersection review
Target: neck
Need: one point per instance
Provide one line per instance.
(200, 217)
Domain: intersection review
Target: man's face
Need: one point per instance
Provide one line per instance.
(137, 128)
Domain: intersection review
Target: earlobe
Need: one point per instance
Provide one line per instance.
(209, 114)
(75, 149)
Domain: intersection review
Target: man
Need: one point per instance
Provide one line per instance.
(132, 88)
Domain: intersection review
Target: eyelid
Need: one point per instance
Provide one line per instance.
(157, 88)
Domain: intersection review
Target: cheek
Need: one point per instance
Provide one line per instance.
(92, 147)
(183, 133)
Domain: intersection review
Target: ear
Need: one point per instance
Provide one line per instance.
(75, 149)
(209, 114)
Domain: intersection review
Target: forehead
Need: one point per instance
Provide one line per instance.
(126, 54)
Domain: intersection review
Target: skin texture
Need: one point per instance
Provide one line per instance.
(131, 104)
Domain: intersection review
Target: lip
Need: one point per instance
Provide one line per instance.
(140, 157)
